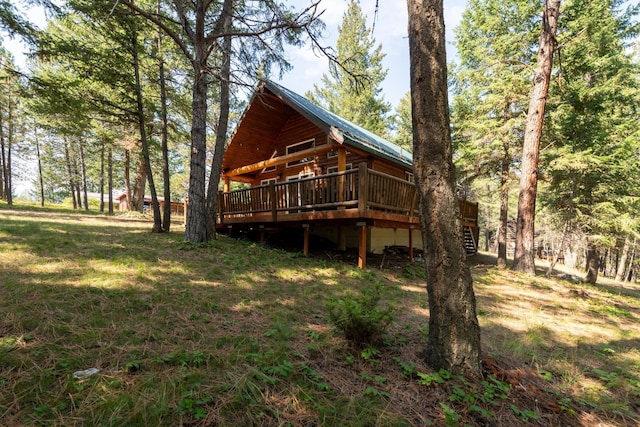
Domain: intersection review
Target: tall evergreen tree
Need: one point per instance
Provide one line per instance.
(524, 257)
(352, 89)
(593, 167)
(495, 42)
(402, 123)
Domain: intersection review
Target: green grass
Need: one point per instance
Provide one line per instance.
(235, 333)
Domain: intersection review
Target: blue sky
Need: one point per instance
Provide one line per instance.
(390, 31)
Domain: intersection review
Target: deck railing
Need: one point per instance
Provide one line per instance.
(359, 188)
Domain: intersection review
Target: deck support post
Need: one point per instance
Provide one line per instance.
(305, 246)
(362, 245)
(342, 239)
(411, 245)
(262, 234)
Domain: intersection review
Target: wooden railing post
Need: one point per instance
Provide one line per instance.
(363, 187)
(274, 202)
(413, 202)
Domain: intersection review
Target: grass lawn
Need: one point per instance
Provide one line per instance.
(233, 333)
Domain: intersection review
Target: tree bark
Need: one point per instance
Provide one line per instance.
(127, 179)
(524, 258)
(629, 270)
(40, 178)
(83, 171)
(622, 263)
(9, 165)
(487, 215)
(504, 214)
(102, 153)
(67, 156)
(166, 215)
(223, 123)
(3, 163)
(454, 332)
(139, 185)
(197, 225)
(155, 206)
(110, 177)
(592, 263)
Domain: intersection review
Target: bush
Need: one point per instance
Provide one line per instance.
(359, 317)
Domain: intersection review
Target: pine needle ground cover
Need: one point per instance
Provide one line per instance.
(234, 333)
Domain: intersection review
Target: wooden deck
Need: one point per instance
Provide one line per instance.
(361, 197)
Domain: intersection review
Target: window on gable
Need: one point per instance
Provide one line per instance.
(300, 146)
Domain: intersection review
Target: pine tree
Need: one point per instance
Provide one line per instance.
(495, 41)
(402, 123)
(593, 168)
(352, 89)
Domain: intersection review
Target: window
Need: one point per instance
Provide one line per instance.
(295, 148)
(271, 168)
(409, 177)
(334, 153)
(334, 169)
(268, 181)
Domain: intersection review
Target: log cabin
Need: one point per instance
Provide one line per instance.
(307, 168)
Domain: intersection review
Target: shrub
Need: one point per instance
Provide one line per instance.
(359, 317)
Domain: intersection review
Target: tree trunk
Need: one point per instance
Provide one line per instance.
(40, 179)
(102, 153)
(454, 332)
(629, 270)
(166, 216)
(197, 226)
(127, 179)
(3, 163)
(221, 133)
(139, 185)
(110, 177)
(72, 188)
(9, 165)
(560, 250)
(155, 206)
(76, 175)
(487, 214)
(504, 215)
(622, 263)
(83, 170)
(524, 258)
(592, 262)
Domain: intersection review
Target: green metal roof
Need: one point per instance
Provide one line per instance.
(354, 135)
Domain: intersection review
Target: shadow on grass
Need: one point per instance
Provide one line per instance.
(233, 333)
